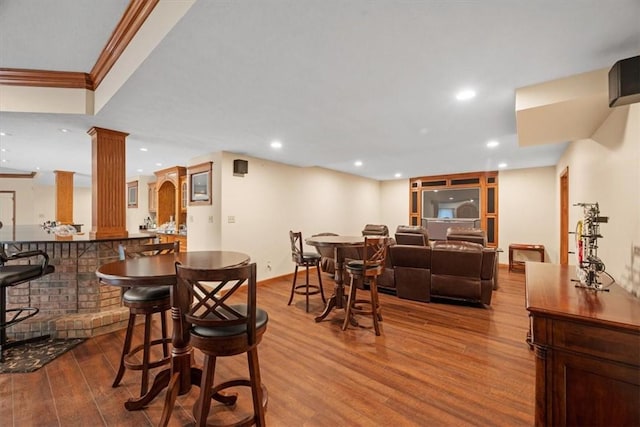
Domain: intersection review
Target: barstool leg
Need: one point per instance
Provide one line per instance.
(146, 355)
(320, 282)
(125, 349)
(375, 306)
(350, 300)
(293, 288)
(256, 386)
(163, 325)
(201, 408)
(307, 285)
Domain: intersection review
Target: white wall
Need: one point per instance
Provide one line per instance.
(136, 216)
(394, 203)
(528, 211)
(272, 199)
(36, 204)
(606, 169)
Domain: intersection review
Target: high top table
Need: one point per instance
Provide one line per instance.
(338, 243)
(160, 270)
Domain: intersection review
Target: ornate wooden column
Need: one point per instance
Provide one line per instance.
(64, 197)
(108, 181)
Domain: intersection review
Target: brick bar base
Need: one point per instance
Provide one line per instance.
(72, 302)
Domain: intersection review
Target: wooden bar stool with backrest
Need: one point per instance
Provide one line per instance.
(224, 320)
(29, 265)
(367, 269)
(306, 260)
(145, 300)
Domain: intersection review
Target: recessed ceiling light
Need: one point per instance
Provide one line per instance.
(502, 165)
(144, 149)
(357, 163)
(140, 170)
(276, 144)
(63, 130)
(4, 160)
(465, 94)
(450, 198)
(492, 143)
(37, 168)
(4, 150)
(398, 175)
(4, 134)
(158, 164)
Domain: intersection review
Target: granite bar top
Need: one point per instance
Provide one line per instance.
(35, 234)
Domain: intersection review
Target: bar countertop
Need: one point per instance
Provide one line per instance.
(36, 234)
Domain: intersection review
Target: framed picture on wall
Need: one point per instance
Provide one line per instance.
(200, 184)
(132, 194)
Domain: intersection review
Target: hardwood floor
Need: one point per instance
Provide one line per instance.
(436, 364)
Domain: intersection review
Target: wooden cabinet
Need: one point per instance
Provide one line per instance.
(152, 195)
(169, 195)
(587, 347)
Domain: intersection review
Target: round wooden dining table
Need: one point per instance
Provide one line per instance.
(160, 270)
(338, 243)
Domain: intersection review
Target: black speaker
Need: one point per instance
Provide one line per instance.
(624, 82)
(240, 166)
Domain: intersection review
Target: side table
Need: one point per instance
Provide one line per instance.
(519, 265)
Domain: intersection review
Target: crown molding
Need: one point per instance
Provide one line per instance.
(45, 78)
(132, 19)
(136, 14)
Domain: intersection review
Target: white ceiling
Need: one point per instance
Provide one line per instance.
(335, 81)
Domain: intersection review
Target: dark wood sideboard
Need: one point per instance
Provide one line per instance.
(587, 347)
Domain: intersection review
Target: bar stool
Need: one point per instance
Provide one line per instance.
(368, 268)
(224, 322)
(145, 301)
(12, 275)
(306, 260)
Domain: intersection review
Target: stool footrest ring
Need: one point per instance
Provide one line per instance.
(135, 366)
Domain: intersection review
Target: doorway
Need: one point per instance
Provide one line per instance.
(564, 216)
(8, 208)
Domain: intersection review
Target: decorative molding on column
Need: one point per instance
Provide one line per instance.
(64, 197)
(108, 176)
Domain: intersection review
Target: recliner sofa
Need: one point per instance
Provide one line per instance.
(457, 270)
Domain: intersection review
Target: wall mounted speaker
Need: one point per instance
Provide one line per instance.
(240, 167)
(624, 82)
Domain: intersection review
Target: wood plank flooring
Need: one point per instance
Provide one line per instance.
(436, 364)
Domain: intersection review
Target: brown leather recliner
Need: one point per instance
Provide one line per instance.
(375, 230)
(462, 270)
(412, 235)
(475, 235)
(412, 271)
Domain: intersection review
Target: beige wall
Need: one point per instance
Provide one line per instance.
(36, 204)
(136, 216)
(606, 169)
(528, 206)
(273, 198)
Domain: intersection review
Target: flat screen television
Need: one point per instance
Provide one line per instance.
(445, 213)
